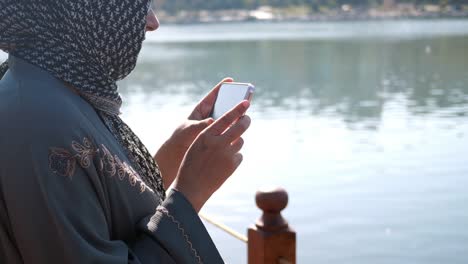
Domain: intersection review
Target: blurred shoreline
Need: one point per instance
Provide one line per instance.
(305, 13)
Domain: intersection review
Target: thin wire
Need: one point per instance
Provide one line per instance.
(225, 228)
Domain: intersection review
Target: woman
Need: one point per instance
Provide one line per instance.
(76, 184)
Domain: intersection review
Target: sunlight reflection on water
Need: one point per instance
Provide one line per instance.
(368, 135)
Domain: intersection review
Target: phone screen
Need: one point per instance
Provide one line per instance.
(230, 95)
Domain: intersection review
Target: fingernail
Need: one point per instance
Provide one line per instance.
(246, 104)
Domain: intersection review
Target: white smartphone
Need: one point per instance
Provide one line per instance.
(231, 94)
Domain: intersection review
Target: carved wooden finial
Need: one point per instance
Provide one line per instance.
(271, 239)
(272, 202)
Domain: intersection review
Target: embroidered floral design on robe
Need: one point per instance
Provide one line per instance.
(85, 152)
(63, 162)
(108, 161)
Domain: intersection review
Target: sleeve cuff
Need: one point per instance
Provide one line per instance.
(178, 228)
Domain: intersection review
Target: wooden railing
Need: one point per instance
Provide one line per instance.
(270, 240)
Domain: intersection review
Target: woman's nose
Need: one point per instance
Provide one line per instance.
(152, 22)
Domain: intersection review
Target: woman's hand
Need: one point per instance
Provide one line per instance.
(171, 153)
(213, 156)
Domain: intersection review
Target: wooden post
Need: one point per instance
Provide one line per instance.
(271, 240)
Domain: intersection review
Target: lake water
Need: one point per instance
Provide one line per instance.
(364, 123)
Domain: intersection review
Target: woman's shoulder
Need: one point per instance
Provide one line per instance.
(35, 105)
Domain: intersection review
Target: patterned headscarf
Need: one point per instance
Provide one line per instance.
(89, 44)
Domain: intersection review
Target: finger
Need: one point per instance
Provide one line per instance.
(237, 145)
(237, 159)
(220, 125)
(235, 131)
(205, 106)
(201, 125)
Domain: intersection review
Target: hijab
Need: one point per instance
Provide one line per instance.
(90, 45)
